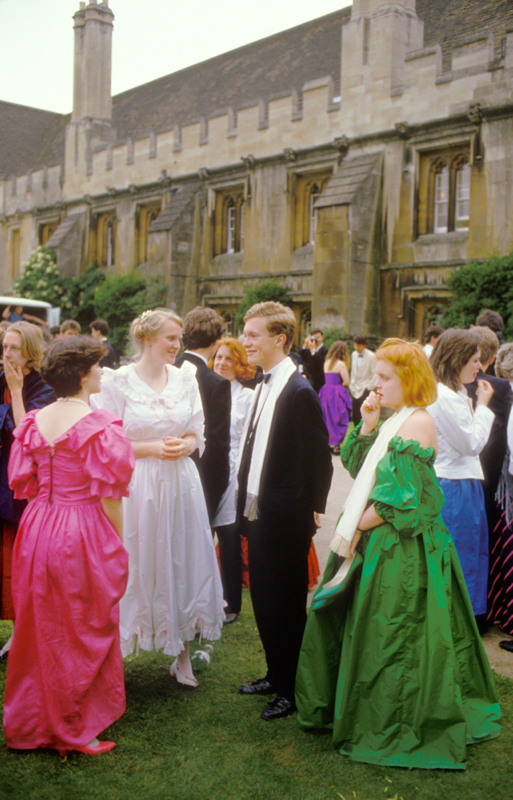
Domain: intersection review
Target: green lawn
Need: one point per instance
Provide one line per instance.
(211, 743)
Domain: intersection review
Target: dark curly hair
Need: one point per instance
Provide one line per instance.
(69, 360)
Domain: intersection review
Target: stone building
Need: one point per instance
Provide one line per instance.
(355, 159)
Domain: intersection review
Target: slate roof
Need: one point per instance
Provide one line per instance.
(179, 201)
(346, 181)
(30, 138)
(269, 68)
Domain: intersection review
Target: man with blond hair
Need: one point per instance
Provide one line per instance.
(284, 478)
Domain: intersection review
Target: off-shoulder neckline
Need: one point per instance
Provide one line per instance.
(411, 444)
(97, 415)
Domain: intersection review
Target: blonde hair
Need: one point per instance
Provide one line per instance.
(504, 362)
(279, 319)
(411, 365)
(149, 324)
(32, 342)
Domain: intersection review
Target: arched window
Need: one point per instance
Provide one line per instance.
(444, 191)
(309, 187)
(229, 221)
(146, 214)
(315, 193)
(106, 239)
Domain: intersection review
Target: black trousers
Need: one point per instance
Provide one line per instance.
(230, 558)
(278, 575)
(357, 404)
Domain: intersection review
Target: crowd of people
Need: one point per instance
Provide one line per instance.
(116, 483)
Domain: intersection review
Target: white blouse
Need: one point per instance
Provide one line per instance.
(242, 398)
(462, 434)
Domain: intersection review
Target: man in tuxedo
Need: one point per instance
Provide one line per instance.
(202, 331)
(314, 353)
(284, 478)
(363, 375)
(100, 331)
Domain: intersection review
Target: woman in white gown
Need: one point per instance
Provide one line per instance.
(174, 586)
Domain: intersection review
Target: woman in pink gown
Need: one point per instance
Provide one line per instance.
(65, 672)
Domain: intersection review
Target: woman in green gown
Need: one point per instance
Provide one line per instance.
(392, 661)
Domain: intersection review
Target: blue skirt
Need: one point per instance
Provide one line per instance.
(465, 516)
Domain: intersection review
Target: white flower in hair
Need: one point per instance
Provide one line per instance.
(145, 315)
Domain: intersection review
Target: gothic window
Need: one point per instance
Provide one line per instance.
(444, 191)
(46, 229)
(308, 190)
(146, 215)
(229, 221)
(106, 239)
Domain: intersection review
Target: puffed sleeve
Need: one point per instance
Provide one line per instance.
(22, 468)
(407, 493)
(109, 460)
(355, 450)
(111, 396)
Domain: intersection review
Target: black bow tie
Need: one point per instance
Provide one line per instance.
(264, 378)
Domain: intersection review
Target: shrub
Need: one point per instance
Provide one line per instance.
(479, 286)
(261, 293)
(120, 299)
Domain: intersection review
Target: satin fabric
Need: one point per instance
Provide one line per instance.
(336, 407)
(65, 672)
(392, 661)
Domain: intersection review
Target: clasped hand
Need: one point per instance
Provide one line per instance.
(172, 448)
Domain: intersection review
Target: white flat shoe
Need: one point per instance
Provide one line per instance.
(189, 681)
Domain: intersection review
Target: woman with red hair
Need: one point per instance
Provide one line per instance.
(231, 362)
(392, 660)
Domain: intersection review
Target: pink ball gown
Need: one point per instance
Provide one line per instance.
(65, 672)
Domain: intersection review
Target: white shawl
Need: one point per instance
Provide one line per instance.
(264, 420)
(365, 480)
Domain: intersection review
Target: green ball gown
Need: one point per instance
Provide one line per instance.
(392, 661)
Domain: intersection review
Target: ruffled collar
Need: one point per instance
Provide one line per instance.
(412, 447)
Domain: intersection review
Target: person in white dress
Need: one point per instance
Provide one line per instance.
(174, 586)
(231, 362)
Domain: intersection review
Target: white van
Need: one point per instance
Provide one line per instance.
(34, 308)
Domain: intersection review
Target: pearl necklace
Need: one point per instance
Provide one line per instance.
(72, 400)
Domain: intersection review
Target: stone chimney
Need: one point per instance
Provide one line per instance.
(93, 26)
(376, 40)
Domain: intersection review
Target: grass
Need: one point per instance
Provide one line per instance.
(211, 743)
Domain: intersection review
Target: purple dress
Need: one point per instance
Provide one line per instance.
(336, 407)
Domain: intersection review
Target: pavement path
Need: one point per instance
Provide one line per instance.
(501, 660)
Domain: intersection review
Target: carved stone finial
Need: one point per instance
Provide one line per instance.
(248, 161)
(341, 143)
(289, 153)
(475, 113)
(403, 129)
(203, 173)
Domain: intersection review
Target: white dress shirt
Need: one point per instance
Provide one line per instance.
(462, 434)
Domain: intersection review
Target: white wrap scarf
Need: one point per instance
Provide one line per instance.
(263, 430)
(357, 499)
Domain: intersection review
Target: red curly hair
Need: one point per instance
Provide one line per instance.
(243, 370)
(411, 365)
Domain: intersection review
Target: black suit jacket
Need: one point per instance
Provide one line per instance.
(297, 468)
(214, 465)
(315, 365)
(493, 453)
(110, 359)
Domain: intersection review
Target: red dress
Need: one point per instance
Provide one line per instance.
(65, 672)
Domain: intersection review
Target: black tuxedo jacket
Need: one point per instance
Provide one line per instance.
(297, 468)
(110, 359)
(214, 465)
(315, 365)
(493, 453)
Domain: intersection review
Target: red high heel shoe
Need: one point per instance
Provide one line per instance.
(101, 747)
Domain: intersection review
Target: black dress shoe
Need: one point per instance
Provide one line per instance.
(507, 644)
(281, 707)
(260, 686)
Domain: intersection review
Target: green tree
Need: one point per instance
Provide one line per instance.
(479, 286)
(263, 292)
(120, 299)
